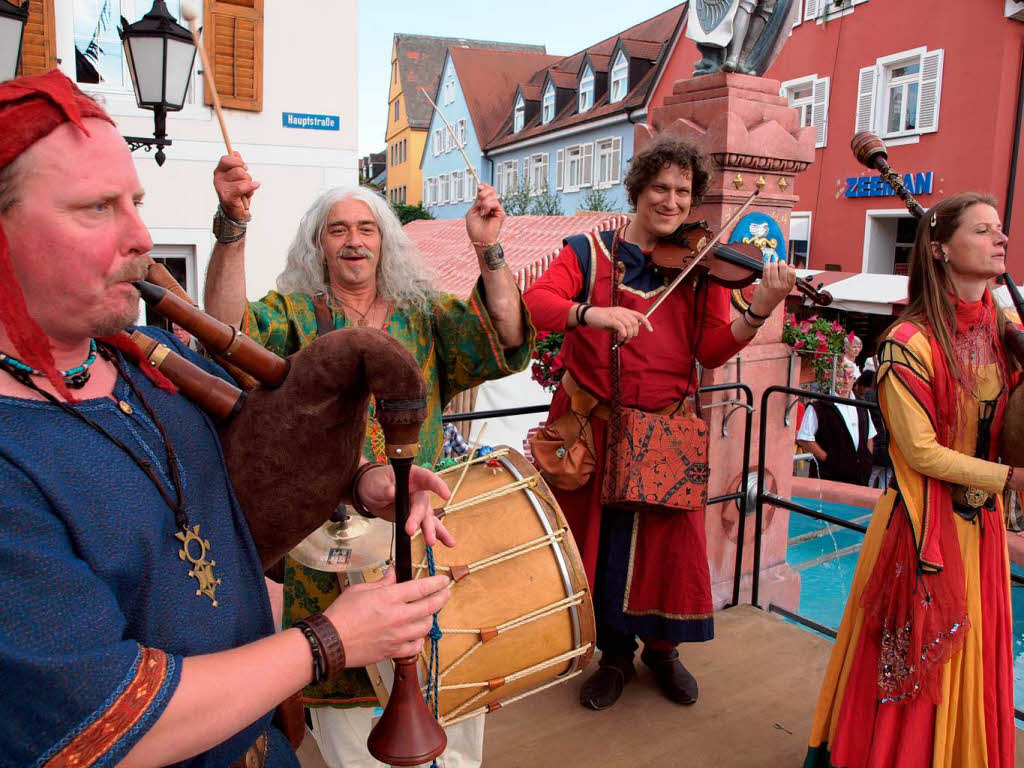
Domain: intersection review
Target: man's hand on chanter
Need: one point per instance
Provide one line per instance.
(385, 620)
(377, 491)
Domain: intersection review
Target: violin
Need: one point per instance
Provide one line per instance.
(735, 265)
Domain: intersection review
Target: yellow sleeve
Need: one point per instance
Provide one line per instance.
(912, 431)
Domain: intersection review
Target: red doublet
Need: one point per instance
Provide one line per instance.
(667, 574)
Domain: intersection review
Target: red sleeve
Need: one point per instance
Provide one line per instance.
(550, 297)
(717, 344)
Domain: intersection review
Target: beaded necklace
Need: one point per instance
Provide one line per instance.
(74, 378)
(194, 548)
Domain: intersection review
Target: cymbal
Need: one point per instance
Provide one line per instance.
(352, 544)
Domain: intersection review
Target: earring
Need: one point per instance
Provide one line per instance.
(945, 256)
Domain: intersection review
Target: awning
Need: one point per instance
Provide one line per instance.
(870, 293)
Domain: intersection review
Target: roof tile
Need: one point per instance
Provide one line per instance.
(420, 58)
(530, 244)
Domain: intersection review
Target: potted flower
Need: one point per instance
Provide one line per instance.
(819, 340)
(548, 369)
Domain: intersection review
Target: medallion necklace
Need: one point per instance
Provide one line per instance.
(194, 548)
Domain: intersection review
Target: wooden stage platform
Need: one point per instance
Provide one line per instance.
(758, 682)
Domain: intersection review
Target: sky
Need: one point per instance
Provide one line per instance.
(563, 27)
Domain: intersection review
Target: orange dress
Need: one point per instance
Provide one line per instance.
(972, 724)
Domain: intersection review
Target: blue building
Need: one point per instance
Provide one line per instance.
(542, 123)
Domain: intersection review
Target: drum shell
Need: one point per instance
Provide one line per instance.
(506, 591)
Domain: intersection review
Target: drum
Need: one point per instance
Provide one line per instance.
(520, 618)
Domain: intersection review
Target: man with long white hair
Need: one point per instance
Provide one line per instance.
(352, 264)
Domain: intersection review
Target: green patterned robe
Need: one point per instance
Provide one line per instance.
(457, 349)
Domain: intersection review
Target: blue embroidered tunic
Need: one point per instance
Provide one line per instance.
(97, 610)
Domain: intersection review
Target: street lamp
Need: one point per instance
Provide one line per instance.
(12, 29)
(160, 53)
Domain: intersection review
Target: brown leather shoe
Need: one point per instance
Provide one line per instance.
(674, 680)
(604, 687)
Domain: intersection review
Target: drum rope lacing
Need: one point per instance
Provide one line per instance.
(555, 537)
(561, 658)
(434, 666)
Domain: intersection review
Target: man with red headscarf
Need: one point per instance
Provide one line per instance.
(111, 649)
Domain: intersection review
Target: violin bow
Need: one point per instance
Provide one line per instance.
(703, 252)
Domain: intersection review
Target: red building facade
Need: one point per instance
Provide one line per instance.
(940, 81)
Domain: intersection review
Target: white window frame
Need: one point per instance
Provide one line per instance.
(828, 10)
(471, 187)
(618, 79)
(800, 215)
(444, 194)
(586, 100)
(449, 90)
(437, 145)
(519, 115)
(458, 186)
(873, 93)
(609, 153)
(560, 169)
(548, 105)
(119, 100)
(426, 190)
(460, 129)
(813, 108)
(579, 167)
(536, 175)
(507, 177)
(432, 190)
(449, 142)
(395, 112)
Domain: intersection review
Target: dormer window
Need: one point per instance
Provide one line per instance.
(620, 78)
(587, 90)
(548, 106)
(519, 117)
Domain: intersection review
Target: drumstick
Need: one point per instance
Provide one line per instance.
(469, 165)
(190, 13)
(465, 469)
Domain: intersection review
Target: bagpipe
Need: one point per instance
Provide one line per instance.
(871, 151)
(292, 437)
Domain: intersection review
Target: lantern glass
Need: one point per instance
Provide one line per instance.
(180, 56)
(146, 63)
(11, 29)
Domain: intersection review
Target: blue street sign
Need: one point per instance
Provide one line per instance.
(312, 122)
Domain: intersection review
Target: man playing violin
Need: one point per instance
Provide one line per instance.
(109, 654)
(668, 602)
(351, 264)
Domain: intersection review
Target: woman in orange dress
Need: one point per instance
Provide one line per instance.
(922, 670)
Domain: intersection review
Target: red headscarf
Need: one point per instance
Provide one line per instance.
(30, 109)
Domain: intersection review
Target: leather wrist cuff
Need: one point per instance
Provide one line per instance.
(357, 502)
(325, 642)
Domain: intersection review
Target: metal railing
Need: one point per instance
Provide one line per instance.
(779, 501)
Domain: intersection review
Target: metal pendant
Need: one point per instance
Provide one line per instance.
(202, 569)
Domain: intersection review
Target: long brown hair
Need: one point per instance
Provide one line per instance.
(930, 291)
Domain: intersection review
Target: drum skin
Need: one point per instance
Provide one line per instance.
(506, 591)
(1013, 430)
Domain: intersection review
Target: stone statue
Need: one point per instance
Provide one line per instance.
(739, 35)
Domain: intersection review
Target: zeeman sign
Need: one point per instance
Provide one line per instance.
(875, 186)
(312, 122)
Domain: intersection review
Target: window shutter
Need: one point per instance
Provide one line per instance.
(931, 88)
(866, 99)
(559, 168)
(234, 43)
(39, 44)
(616, 161)
(426, 200)
(810, 10)
(819, 111)
(587, 176)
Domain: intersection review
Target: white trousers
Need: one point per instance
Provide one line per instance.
(341, 735)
